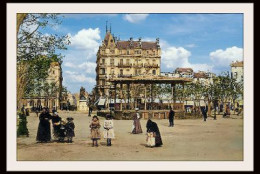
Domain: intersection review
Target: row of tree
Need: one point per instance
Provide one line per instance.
(35, 52)
(221, 90)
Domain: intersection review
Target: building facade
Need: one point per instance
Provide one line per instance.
(237, 71)
(116, 58)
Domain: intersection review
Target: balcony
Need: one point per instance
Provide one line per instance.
(147, 65)
(139, 65)
(124, 65)
(124, 75)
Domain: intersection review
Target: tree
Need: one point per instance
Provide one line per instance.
(32, 44)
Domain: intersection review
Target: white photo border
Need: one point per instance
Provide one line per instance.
(245, 165)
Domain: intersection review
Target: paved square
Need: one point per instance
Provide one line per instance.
(220, 139)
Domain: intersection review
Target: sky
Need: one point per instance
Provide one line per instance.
(206, 42)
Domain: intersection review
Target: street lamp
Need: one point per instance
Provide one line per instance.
(110, 95)
(215, 106)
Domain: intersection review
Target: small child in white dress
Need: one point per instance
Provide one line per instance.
(108, 129)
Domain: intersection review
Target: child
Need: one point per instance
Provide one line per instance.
(70, 129)
(108, 132)
(94, 128)
(62, 131)
(56, 121)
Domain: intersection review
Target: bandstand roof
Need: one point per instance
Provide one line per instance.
(150, 79)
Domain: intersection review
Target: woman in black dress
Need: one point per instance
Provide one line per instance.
(152, 127)
(44, 131)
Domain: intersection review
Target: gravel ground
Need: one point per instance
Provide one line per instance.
(189, 140)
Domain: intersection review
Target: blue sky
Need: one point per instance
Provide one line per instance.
(208, 42)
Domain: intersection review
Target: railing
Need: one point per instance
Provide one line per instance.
(138, 65)
(151, 65)
(124, 65)
(124, 75)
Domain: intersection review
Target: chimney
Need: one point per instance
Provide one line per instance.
(140, 41)
(131, 41)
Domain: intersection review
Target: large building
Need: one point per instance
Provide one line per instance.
(54, 99)
(116, 58)
(237, 71)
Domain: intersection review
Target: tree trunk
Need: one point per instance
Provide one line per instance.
(20, 18)
(209, 107)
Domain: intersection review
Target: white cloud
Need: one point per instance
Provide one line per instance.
(223, 58)
(86, 39)
(135, 18)
(190, 45)
(89, 67)
(78, 78)
(70, 65)
(174, 57)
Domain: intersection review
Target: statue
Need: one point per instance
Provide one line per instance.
(82, 94)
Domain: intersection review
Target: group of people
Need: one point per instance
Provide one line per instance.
(108, 130)
(153, 134)
(61, 129)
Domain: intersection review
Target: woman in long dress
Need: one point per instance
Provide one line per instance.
(137, 129)
(44, 131)
(94, 129)
(153, 134)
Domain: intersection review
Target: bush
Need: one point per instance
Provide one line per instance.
(22, 125)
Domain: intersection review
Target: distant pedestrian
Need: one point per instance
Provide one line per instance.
(204, 113)
(70, 129)
(90, 111)
(137, 129)
(171, 117)
(109, 129)
(94, 129)
(37, 111)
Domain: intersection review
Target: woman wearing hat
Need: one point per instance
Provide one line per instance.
(95, 132)
(137, 129)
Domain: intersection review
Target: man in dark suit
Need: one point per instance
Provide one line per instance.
(171, 117)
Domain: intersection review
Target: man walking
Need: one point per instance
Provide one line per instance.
(171, 117)
(204, 113)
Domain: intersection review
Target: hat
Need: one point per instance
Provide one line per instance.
(70, 118)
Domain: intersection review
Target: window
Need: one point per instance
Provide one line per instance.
(103, 61)
(102, 82)
(112, 62)
(112, 51)
(102, 71)
(121, 61)
(127, 69)
(128, 52)
(112, 71)
(53, 72)
(127, 61)
(235, 75)
(154, 72)
(121, 72)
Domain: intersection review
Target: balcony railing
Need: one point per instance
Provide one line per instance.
(124, 75)
(140, 65)
(124, 65)
(147, 65)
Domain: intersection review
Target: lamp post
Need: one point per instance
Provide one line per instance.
(215, 106)
(110, 97)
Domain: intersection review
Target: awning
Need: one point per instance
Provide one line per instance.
(102, 102)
